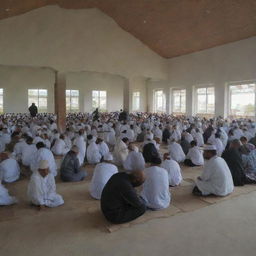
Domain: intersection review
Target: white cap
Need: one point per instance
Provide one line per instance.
(210, 147)
(108, 157)
(43, 164)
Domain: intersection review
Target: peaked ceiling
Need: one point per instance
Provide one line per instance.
(169, 27)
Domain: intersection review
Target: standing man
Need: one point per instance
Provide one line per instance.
(33, 110)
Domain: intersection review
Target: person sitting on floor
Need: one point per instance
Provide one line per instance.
(246, 147)
(149, 152)
(70, 167)
(9, 168)
(42, 188)
(194, 156)
(102, 173)
(155, 190)
(59, 147)
(173, 169)
(176, 151)
(233, 158)
(134, 160)
(216, 178)
(119, 200)
(93, 152)
(44, 153)
(5, 198)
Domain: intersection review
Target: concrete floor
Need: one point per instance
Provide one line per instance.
(227, 228)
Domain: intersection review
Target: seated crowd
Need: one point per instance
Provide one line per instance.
(127, 151)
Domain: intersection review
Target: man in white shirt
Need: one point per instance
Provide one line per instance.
(59, 147)
(103, 147)
(9, 168)
(173, 169)
(80, 143)
(93, 153)
(176, 152)
(28, 152)
(216, 178)
(134, 160)
(42, 188)
(44, 153)
(102, 173)
(155, 191)
(194, 156)
(121, 151)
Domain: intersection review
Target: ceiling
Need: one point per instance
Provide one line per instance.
(169, 27)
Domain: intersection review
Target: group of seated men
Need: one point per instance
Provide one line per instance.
(126, 154)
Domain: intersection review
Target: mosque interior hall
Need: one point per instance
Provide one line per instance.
(127, 127)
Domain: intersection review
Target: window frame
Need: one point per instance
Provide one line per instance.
(38, 96)
(138, 97)
(71, 110)
(154, 101)
(204, 86)
(99, 100)
(229, 102)
(173, 101)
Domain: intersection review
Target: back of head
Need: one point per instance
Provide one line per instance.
(137, 178)
(40, 145)
(156, 160)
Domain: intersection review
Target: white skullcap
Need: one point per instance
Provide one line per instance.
(108, 157)
(210, 147)
(43, 164)
(75, 149)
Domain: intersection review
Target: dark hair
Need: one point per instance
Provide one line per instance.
(125, 139)
(193, 143)
(89, 137)
(40, 145)
(156, 160)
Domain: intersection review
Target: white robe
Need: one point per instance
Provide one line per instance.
(9, 170)
(216, 178)
(103, 148)
(195, 155)
(155, 190)
(176, 152)
(28, 154)
(44, 154)
(199, 139)
(80, 143)
(102, 173)
(93, 153)
(60, 148)
(42, 191)
(5, 198)
(134, 161)
(120, 152)
(18, 148)
(174, 173)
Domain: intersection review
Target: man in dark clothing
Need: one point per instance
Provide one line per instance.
(33, 110)
(119, 200)
(233, 158)
(149, 152)
(166, 135)
(123, 116)
(70, 167)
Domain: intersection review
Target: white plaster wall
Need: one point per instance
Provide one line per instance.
(85, 82)
(17, 80)
(218, 66)
(76, 40)
(139, 84)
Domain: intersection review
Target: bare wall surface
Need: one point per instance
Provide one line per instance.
(76, 40)
(17, 80)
